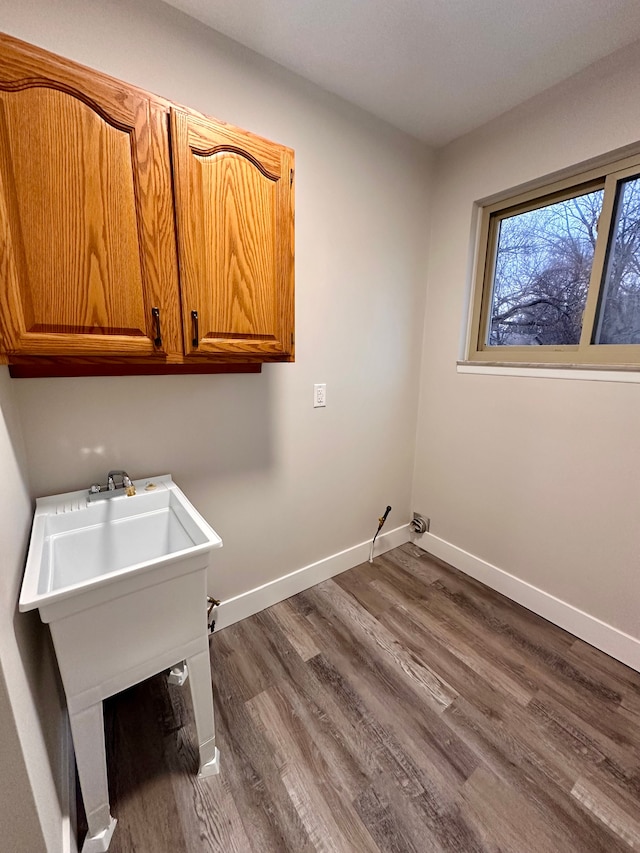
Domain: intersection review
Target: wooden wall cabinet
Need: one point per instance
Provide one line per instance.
(136, 236)
(235, 239)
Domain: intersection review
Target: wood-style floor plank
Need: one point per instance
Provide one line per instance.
(400, 707)
(320, 796)
(296, 628)
(620, 815)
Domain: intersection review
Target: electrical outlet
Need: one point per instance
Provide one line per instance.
(319, 395)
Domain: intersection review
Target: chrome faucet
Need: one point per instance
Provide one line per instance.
(125, 480)
(118, 483)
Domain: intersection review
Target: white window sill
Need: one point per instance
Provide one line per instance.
(548, 371)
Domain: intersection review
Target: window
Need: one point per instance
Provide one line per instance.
(558, 273)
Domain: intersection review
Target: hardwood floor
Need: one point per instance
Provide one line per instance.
(399, 707)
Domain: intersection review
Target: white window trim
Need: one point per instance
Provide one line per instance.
(550, 371)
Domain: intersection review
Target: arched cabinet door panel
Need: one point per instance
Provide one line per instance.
(234, 209)
(85, 215)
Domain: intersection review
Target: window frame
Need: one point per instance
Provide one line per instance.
(584, 354)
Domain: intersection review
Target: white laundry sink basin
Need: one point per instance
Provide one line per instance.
(77, 546)
(122, 582)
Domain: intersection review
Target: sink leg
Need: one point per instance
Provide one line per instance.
(202, 698)
(87, 729)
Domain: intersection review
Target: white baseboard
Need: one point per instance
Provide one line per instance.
(614, 642)
(257, 599)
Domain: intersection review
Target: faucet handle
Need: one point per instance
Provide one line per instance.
(130, 488)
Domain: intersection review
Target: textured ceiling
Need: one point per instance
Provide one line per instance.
(434, 68)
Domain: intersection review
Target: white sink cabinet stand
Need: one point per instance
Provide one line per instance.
(118, 628)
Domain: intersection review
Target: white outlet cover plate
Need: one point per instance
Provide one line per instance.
(319, 395)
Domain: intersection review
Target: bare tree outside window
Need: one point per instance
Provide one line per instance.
(542, 270)
(619, 316)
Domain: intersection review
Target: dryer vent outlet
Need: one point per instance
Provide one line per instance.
(420, 524)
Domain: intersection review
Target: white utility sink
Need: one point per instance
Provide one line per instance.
(77, 546)
(122, 582)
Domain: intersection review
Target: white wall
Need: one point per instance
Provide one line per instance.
(539, 477)
(31, 719)
(282, 483)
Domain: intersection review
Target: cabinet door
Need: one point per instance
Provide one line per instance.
(234, 206)
(85, 212)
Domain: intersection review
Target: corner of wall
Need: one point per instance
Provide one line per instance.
(33, 797)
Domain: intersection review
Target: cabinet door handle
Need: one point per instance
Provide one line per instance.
(196, 337)
(155, 313)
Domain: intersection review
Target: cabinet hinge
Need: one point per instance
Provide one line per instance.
(290, 177)
(292, 338)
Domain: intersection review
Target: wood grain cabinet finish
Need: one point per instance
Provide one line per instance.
(235, 239)
(93, 277)
(85, 212)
